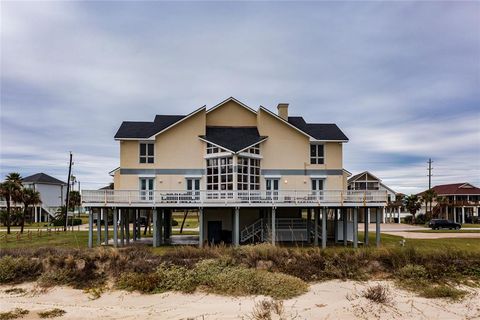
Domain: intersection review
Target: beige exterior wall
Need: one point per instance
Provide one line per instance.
(285, 148)
(180, 148)
(233, 115)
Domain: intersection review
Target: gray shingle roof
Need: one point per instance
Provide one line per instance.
(233, 138)
(43, 178)
(320, 131)
(142, 129)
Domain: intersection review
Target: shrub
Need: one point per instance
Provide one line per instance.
(443, 291)
(412, 271)
(14, 314)
(16, 270)
(216, 277)
(420, 219)
(53, 313)
(264, 310)
(174, 223)
(378, 293)
(59, 222)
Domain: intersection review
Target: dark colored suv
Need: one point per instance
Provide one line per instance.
(437, 224)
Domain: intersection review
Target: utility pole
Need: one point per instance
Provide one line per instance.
(430, 173)
(68, 193)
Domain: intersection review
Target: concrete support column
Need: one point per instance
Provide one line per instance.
(127, 225)
(315, 231)
(135, 221)
(139, 225)
(355, 227)
(345, 225)
(115, 226)
(368, 216)
(365, 237)
(99, 226)
(309, 225)
(324, 227)
(335, 224)
(200, 228)
(90, 228)
(274, 227)
(383, 214)
(399, 214)
(157, 228)
(121, 217)
(454, 214)
(236, 227)
(377, 225)
(105, 219)
(463, 214)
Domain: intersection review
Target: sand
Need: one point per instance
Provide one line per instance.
(326, 300)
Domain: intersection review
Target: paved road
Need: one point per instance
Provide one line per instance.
(408, 232)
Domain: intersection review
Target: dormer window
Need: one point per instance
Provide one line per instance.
(147, 154)
(317, 154)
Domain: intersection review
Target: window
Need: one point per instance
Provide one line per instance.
(248, 173)
(316, 154)
(220, 173)
(146, 188)
(317, 184)
(212, 149)
(254, 150)
(146, 152)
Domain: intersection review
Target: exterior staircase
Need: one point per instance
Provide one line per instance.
(253, 231)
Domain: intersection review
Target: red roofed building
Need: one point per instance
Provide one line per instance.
(457, 201)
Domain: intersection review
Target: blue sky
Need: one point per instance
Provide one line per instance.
(401, 79)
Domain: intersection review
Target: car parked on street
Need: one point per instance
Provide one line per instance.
(437, 224)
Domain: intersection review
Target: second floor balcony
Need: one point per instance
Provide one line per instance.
(232, 198)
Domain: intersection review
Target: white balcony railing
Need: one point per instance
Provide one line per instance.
(209, 197)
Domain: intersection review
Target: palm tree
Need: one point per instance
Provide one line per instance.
(413, 204)
(10, 190)
(428, 197)
(29, 197)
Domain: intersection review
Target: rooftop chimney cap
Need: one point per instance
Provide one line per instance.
(283, 111)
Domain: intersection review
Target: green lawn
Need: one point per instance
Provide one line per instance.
(79, 239)
(446, 231)
(470, 225)
(190, 222)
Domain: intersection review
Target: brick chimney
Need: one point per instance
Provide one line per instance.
(283, 111)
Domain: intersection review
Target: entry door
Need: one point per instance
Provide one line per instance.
(272, 188)
(193, 188)
(214, 232)
(317, 188)
(146, 189)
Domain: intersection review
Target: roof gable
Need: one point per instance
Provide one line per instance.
(231, 99)
(231, 113)
(362, 176)
(234, 139)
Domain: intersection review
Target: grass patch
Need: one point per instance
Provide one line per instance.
(16, 270)
(466, 230)
(378, 293)
(53, 313)
(268, 309)
(14, 314)
(13, 291)
(443, 291)
(214, 276)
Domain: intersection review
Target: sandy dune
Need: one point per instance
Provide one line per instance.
(327, 300)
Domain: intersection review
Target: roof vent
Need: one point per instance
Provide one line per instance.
(283, 111)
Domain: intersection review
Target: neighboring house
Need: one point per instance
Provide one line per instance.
(253, 175)
(366, 181)
(52, 193)
(459, 202)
